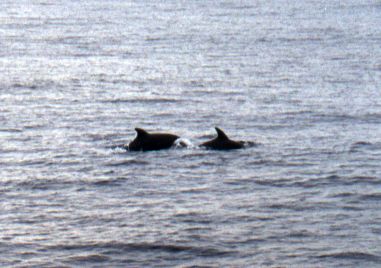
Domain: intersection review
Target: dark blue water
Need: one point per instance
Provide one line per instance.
(301, 79)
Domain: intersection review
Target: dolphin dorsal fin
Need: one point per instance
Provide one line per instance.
(141, 132)
(221, 134)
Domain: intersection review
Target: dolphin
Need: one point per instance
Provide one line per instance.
(145, 141)
(222, 142)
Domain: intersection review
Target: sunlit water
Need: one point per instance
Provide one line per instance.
(300, 78)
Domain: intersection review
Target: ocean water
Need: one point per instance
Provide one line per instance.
(299, 78)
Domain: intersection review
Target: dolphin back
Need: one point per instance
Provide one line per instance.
(145, 141)
(222, 142)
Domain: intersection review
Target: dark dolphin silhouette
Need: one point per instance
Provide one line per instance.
(222, 142)
(145, 141)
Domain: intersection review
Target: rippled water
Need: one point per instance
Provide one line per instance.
(302, 79)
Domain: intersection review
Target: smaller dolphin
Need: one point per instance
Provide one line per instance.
(222, 142)
(145, 141)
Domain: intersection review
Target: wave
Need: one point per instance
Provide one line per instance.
(364, 145)
(327, 117)
(11, 130)
(343, 195)
(336, 180)
(43, 184)
(352, 255)
(37, 84)
(361, 179)
(90, 258)
(143, 101)
(28, 86)
(316, 182)
(127, 162)
(371, 197)
(122, 248)
(109, 182)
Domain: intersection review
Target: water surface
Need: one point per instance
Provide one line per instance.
(300, 79)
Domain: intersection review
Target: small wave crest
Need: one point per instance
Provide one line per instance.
(352, 255)
(90, 258)
(25, 85)
(143, 101)
(337, 180)
(109, 182)
(371, 197)
(364, 145)
(122, 248)
(122, 147)
(11, 130)
(127, 162)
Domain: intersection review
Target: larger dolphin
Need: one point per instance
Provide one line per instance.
(145, 141)
(222, 142)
